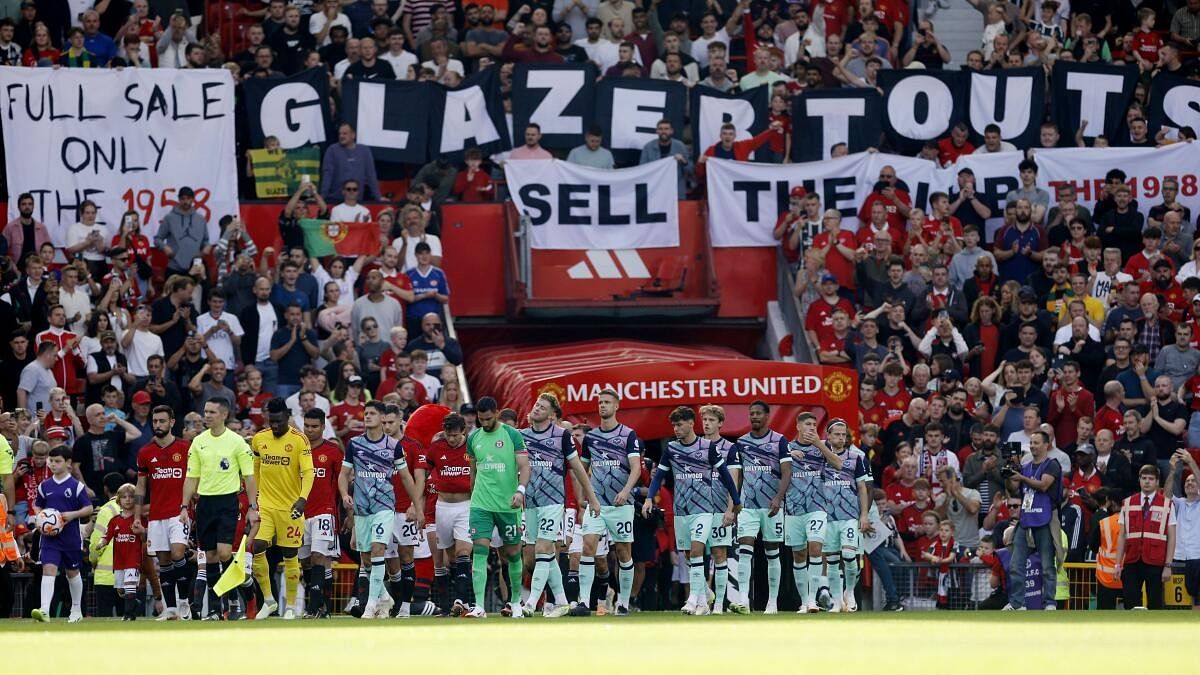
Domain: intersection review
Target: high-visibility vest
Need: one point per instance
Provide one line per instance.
(1145, 540)
(1062, 586)
(102, 573)
(1106, 557)
(8, 545)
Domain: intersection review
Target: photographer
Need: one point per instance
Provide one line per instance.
(926, 48)
(1040, 481)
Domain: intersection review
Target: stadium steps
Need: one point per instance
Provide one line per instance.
(959, 27)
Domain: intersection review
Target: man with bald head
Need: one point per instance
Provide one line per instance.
(443, 350)
(1115, 470)
(100, 45)
(98, 452)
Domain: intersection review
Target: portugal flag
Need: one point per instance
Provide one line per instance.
(325, 237)
(278, 174)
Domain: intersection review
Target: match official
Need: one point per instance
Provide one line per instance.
(219, 463)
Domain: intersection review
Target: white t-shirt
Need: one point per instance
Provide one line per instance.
(221, 342)
(451, 64)
(340, 68)
(700, 45)
(78, 232)
(1104, 285)
(293, 404)
(268, 322)
(317, 21)
(433, 386)
(144, 345)
(345, 285)
(401, 63)
(410, 255)
(93, 367)
(345, 213)
(78, 302)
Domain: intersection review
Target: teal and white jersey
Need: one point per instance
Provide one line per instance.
(549, 451)
(759, 459)
(804, 495)
(720, 496)
(374, 463)
(693, 467)
(840, 484)
(610, 455)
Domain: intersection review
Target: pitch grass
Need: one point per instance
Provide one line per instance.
(896, 644)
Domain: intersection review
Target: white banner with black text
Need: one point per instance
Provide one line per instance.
(127, 140)
(577, 207)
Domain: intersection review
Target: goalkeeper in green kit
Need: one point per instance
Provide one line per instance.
(500, 472)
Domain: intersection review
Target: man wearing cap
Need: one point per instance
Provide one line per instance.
(788, 227)
(105, 367)
(818, 322)
(183, 234)
(1163, 284)
(1085, 480)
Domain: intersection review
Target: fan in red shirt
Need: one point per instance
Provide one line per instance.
(473, 184)
(130, 295)
(818, 322)
(70, 360)
(321, 546)
(893, 396)
(1146, 42)
(347, 416)
(956, 145)
(1110, 415)
(894, 199)
(1162, 283)
(837, 15)
(869, 410)
(865, 237)
(729, 148)
(909, 522)
(31, 471)
(123, 533)
(1084, 481)
(839, 246)
(134, 242)
(161, 465)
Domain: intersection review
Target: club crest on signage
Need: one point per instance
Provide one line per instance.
(837, 387)
(555, 389)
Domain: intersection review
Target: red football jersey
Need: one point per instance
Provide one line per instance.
(894, 404)
(414, 455)
(126, 546)
(342, 413)
(252, 407)
(164, 469)
(450, 466)
(819, 318)
(327, 464)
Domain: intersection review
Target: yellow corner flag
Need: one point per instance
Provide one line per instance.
(235, 574)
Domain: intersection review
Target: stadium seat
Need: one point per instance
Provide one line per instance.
(669, 278)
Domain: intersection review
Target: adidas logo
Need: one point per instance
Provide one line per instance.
(154, 460)
(443, 457)
(604, 265)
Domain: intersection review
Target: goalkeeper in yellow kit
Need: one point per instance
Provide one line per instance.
(283, 468)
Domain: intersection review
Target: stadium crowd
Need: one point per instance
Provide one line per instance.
(1068, 342)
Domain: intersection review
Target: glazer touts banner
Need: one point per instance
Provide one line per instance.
(413, 122)
(295, 110)
(577, 207)
(125, 139)
(407, 121)
(745, 198)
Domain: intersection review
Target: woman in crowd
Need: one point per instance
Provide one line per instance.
(983, 335)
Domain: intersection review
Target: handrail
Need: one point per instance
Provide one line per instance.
(459, 369)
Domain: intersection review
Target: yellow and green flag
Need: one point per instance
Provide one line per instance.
(277, 173)
(326, 237)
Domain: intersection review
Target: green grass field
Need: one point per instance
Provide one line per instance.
(910, 642)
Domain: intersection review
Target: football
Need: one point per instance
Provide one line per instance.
(48, 522)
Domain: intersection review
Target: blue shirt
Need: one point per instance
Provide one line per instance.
(68, 495)
(758, 459)
(610, 453)
(693, 466)
(1020, 266)
(374, 462)
(840, 485)
(282, 297)
(434, 280)
(296, 357)
(101, 46)
(804, 494)
(549, 451)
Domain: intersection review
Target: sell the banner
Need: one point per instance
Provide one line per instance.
(277, 175)
(577, 207)
(126, 139)
(325, 237)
